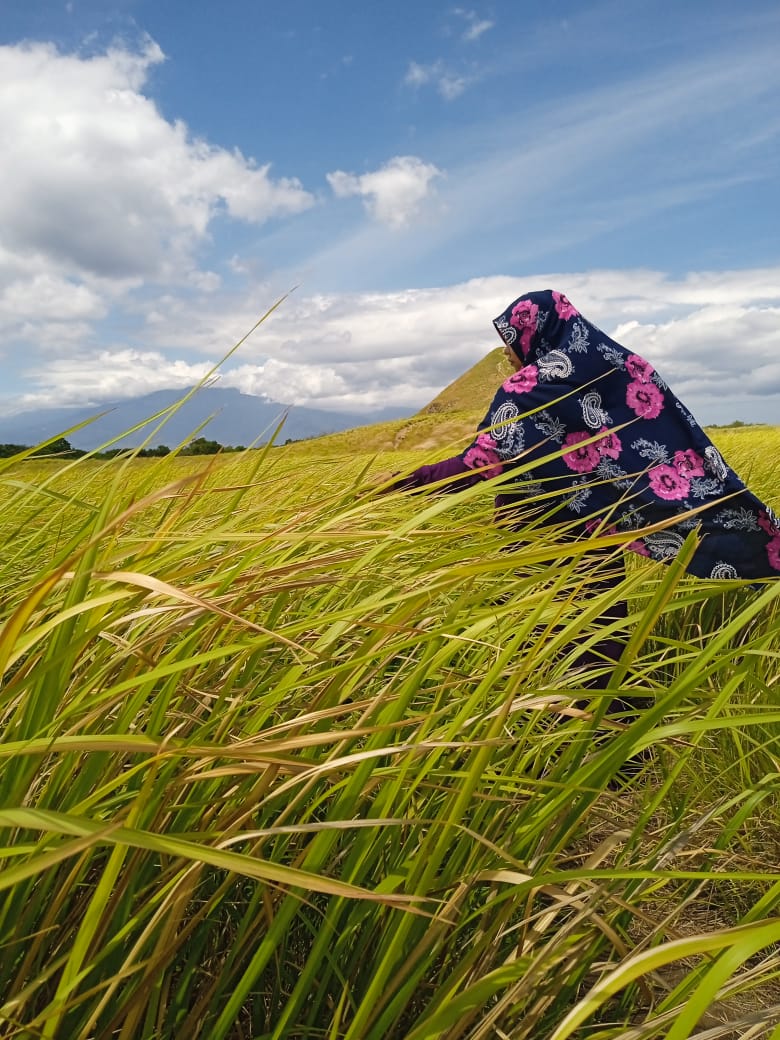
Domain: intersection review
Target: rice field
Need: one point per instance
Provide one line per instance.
(284, 757)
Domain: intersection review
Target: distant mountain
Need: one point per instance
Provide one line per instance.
(237, 419)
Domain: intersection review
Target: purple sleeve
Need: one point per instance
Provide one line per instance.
(446, 470)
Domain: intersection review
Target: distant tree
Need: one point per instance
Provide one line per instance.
(735, 424)
(60, 447)
(155, 453)
(7, 451)
(201, 446)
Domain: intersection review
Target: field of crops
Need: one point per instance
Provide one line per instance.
(282, 757)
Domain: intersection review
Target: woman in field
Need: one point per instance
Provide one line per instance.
(596, 430)
(587, 419)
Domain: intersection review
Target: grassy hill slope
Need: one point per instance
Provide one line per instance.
(474, 389)
(448, 421)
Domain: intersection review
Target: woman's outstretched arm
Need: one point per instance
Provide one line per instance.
(454, 471)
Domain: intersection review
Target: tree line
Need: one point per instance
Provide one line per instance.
(61, 448)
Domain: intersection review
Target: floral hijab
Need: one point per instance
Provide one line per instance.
(632, 454)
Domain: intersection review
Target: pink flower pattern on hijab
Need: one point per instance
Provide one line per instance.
(638, 546)
(524, 317)
(773, 553)
(522, 381)
(563, 308)
(484, 456)
(586, 457)
(668, 483)
(645, 399)
(688, 463)
(609, 445)
(640, 370)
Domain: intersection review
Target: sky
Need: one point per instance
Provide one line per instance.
(399, 173)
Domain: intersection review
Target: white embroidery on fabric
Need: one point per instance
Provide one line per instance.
(706, 487)
(526, 488)
(550, 426)
(579, 338)
(612, 355)
(594, 415)
(513, 443)
(714, 462)
(738, 519)
(554, 365)
(663, 545)
(652, 450)
(609, 470)
(505, 413)
(686, 414)
(580, 497)
(631, 520)
(507, 332)
(724, 570)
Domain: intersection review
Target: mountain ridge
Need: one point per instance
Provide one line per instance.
(232, 418)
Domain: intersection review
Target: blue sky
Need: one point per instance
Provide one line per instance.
(410, 167)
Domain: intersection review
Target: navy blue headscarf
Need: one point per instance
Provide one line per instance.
(633, 455)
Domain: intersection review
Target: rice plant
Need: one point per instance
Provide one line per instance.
(283, 757)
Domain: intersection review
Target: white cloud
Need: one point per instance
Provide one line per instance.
(43, 309)
(418, 75)
(101, 182)
(107, 375)
(288, 383)
(452, 86)
(475, 26)
(448, 83)
(104, 195)
(392, 194)
(45, 296)
(714, 335)
(476, 29)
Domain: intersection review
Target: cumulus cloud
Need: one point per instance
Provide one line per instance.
(101, 182)
(103, 196)
(106, 375)
(289, 383)
(714, 335)
(448, 83)
(393, 194)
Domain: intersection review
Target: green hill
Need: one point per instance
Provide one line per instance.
(474, 389)
(447, 422)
